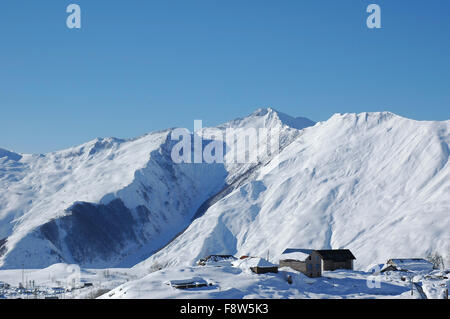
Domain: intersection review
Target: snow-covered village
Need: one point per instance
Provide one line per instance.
(301, 273)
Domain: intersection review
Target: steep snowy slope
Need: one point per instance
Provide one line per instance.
(110, 201)
(95, 203)
(376, 183)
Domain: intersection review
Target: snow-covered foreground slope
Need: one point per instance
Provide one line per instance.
(111, 202)
(224, 280)
(375, 183)
(236, 283)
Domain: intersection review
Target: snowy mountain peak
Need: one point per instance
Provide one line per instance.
(262, 111)
(269, 118)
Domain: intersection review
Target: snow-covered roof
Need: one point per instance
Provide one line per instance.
(190, 281)
(254, 262)
(294, 256)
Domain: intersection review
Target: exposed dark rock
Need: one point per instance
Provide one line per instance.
(2, 246)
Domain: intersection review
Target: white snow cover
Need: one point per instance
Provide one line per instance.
(375, 183)
(294, 256)
(237, 283)
(253, 262)
(37, 189)
(226, 282)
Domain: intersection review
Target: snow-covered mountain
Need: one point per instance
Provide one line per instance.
(376, 183)
(110, 202)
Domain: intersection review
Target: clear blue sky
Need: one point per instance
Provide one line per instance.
(138, 66)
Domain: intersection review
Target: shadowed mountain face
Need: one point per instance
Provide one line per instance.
(97, 232)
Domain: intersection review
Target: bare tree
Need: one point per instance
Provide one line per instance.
(436, 260)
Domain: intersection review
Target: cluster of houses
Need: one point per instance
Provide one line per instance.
(406, 265)
(313, 263)
(31, 291)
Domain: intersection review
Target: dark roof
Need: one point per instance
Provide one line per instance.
(336, 254)
(298, 250)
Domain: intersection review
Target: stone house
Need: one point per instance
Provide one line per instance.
(313, 262)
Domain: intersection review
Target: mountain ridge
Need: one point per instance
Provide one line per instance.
(136, 180)
(379, 146)
(82, 174)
